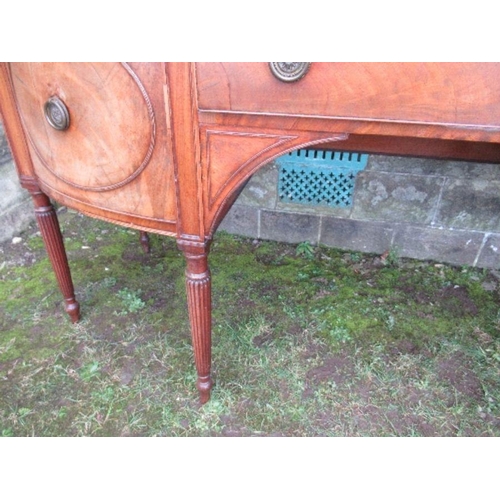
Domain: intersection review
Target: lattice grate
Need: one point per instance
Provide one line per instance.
(314, 177)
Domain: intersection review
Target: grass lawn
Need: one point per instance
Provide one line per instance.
(307, 341)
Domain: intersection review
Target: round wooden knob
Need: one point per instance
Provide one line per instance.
(289, 71)
(56, 113)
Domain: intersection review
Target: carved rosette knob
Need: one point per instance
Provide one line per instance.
(289, 71)
(56, 113)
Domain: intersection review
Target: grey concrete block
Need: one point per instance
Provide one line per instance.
(289, 227)
(241, 220)
(10, 188)
(490, 253)
(444, 245)
(470, 204)
(5, 154)
(16, 209)
(466, 170)
(318, 210)
(349, 234)
(396, 197)
(16, 219)
(427, 166)
(405, 165)
(261, 189)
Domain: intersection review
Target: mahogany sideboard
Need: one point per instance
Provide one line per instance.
(166, 147)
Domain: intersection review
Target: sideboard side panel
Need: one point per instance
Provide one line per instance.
(115, 159)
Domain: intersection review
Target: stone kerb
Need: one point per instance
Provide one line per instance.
(16, 210)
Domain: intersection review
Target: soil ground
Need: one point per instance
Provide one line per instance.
(307, 341)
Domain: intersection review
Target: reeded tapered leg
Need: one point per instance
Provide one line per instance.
(144, 239)
(198, 287)
(51, 233)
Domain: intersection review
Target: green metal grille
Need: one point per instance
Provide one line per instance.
(316, 177)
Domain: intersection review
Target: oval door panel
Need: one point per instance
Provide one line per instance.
(110, 133)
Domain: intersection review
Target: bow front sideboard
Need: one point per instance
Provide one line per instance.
(166, 147)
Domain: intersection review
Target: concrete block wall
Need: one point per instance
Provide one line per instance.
(447, 211)
(16, 208)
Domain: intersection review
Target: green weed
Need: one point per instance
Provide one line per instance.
(131, 300)
(306, 250)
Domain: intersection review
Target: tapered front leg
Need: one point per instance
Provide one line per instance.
(198, 287)
(51, 233)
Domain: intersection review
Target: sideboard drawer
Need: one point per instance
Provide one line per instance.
(442, 93)
(98, 135)
(107, 134)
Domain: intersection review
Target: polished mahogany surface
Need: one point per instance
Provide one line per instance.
(406, 92)
(166, 147)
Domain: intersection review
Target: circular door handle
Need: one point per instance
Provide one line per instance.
(289, 71)
(56, 113)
